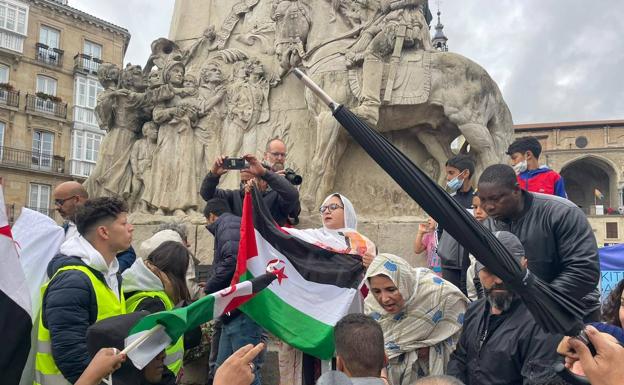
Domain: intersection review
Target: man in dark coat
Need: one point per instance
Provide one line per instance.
(559, 241)
(280, 196)
(225, 227)
(235, 329)
(84, 273)
(501, 344)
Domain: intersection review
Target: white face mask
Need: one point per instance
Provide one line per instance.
(520, 167)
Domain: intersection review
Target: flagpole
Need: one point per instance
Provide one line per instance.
(318, 91)
(136, 343)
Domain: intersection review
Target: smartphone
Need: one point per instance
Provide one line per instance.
(235, 163)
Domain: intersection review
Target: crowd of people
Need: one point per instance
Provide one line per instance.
(451, 322)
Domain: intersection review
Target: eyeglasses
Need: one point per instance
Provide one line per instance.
(61, 202)
(331, 207)
(278, 154)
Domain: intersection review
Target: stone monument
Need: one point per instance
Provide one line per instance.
(220, 85)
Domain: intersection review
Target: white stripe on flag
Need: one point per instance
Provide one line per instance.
(225, 296)
(330, 303)
(12, 278)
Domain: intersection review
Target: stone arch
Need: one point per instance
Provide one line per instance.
(584, 174)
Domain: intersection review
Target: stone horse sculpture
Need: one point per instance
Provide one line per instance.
(436, 95)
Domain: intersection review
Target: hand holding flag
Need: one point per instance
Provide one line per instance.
(153, 333)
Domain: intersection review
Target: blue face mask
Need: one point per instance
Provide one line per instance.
(455, 183)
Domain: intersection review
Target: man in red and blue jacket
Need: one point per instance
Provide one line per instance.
(524, 153)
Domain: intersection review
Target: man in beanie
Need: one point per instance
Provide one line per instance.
(111, 333)
(501, 343)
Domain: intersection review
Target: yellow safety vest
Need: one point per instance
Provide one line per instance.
(175, 352)
(108, 305)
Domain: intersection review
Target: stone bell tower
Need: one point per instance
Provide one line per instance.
(439, 39)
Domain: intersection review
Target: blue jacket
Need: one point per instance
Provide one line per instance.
(126, 259)
(226, 230)
(542, 180)
(69, 307)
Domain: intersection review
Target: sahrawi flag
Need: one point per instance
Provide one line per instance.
(155, 332)
(15, 308)
(314, 288)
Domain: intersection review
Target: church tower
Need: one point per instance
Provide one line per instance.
(440, 39)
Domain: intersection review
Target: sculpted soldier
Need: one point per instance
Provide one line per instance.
(401, 22)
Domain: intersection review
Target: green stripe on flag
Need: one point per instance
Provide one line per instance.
(289, 324)
(179, 320)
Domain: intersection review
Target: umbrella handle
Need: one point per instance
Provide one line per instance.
(318, 91)
(568, 376)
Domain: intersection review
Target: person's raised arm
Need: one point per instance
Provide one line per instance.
(209, 185)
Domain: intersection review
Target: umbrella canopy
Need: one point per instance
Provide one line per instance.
(556, 312)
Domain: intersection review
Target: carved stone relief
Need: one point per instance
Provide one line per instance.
(228, 92)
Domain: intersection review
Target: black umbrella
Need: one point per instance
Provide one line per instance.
(554, 311)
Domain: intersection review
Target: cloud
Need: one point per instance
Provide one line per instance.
(556, 60)
(146, 20)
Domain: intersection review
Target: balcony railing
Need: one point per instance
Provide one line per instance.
(86, 63)
(9, 98)
(29, 160)
(47, 55)
(35, 103)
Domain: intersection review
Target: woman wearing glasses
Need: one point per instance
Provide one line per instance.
(339, 232)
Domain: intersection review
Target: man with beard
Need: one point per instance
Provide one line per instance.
(275, 155)
(501, 343)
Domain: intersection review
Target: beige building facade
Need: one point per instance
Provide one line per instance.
(49, 56)
(590, 158)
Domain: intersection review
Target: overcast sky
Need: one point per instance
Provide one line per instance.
(554, 60)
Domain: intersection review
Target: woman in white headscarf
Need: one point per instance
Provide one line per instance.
(339, 232)
(421, 316)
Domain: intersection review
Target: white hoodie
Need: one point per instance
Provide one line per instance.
(81, 248)
(139, 278)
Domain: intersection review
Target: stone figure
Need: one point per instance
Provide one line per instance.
(173, 178)
(141, 162)
(123, 112)
(238, 11)
(157, 90)
(291, 31)
(211, 109)
(247, 106)
(460, 97)
(401, 23)
(108, 76)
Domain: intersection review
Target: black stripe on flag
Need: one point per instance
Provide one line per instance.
(15, 325)
(313, 263)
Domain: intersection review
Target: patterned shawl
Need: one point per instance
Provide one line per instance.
(432, 317)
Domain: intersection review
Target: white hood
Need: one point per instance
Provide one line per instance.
(139, 278)
(81, 248)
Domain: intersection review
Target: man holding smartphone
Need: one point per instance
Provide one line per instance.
(280, 196)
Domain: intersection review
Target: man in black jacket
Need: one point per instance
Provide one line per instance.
(225, 227)
(501, 344)
(281, 197)
(235, 329)
(85, 287)
(559, 241)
